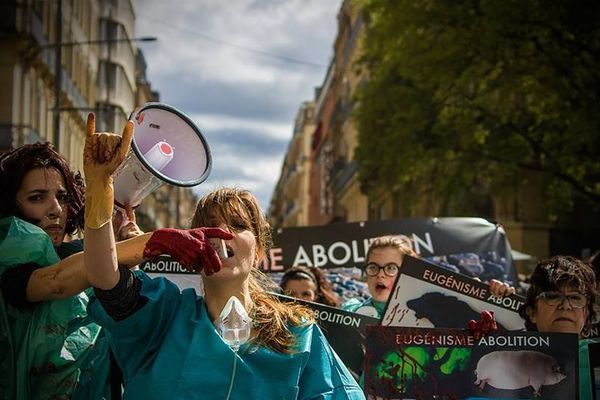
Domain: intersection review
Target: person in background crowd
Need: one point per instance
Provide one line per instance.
(384, 259)
(562, 298)
(51, 349)
(175, 344)
(309, 284)
(41, 205)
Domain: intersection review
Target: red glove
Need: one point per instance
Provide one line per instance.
(190, 247)
(485, 325)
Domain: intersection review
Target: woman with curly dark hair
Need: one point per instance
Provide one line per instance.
(42, 203)
(562, 298)
(39, 187)
(50, 348)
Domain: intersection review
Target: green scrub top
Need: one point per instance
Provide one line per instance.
(50, 350)
(169, 349)
(586, 385)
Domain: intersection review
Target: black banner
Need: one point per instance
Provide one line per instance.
(592, 332)
(472, 246)
(345, 331)
(420, 363)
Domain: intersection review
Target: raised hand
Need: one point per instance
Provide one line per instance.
(102, 154)
(500, 289)
(191, 247)
(485, 325)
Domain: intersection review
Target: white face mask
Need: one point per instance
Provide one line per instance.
(234, 323)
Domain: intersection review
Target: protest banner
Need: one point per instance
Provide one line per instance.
(472, 246)
(423, 363)
(168, 268)
(426, 295)
(592, 332)
(345, 331)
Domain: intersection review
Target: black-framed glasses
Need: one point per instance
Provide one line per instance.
(391, 269)
(554, 298)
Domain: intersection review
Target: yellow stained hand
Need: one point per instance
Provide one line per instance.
(104, 152)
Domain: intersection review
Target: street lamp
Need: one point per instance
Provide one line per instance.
(58, 65)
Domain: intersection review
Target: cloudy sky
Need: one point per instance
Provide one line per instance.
(240, 69)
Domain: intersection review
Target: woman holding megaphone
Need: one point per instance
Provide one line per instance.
(235, 342)
(50, 347)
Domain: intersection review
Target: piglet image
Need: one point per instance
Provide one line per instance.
(512, 370)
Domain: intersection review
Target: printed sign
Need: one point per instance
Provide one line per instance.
(168, 268)
(592, 332)
(345, 331)
(429, 296)
(421, 363)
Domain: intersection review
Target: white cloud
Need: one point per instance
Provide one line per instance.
(216, 122)
(228, 65)
(255, 173)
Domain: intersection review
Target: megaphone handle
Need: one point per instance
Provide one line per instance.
(119, 210)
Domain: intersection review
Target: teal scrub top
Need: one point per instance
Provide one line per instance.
(586, 386)
(169, 349)
(355, 305)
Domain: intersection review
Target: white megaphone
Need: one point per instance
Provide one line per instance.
(166, 147)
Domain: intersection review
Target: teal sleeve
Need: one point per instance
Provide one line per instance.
(586, 386)
(352, 305)
(325, 376)
(138, 338)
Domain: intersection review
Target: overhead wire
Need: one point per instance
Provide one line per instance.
(235, 45)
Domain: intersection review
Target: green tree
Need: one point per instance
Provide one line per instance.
(471, 93)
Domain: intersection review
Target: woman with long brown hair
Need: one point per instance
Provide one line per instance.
(176, 344)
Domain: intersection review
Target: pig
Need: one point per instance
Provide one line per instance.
(512, 370)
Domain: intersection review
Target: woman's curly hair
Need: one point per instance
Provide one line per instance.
(15, 164)
(556, 273)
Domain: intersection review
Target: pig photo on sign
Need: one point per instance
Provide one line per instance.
(513, 370)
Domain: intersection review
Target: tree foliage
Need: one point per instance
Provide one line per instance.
(474, 92)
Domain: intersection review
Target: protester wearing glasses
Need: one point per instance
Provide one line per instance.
(562, 298)
(384, 259)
